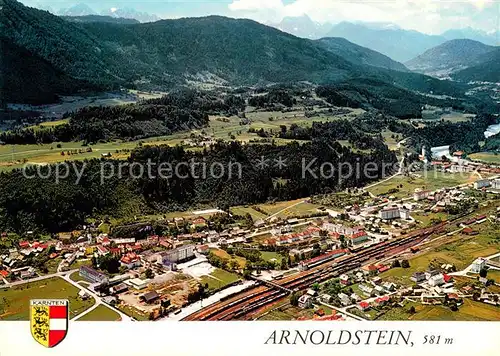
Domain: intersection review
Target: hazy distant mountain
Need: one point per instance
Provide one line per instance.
(380, 25)
(360, 55)
(487, 70)
(472, 34)
(125, 13)
(77, 10)
(129, 13)
(44, 7)
(400, 45)
(99, 18)
(450, 57)
(303, 26)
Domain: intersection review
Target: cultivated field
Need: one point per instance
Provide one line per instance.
(268, 256)
(227, 257)
(402, 186)
(243, 210)
(460, 250)
(227, 129)
(75, 276)
(428, 219)
(469, 311)
(219, 278)
(101, 313)
(285, 311)
(285, 209)
(487, 157)
(15, 300)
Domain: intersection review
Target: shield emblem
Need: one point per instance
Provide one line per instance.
(49, 320)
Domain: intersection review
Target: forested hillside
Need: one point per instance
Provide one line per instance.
(28, 78)
(43, 205)
(393, 99)
(211, 49)
(450, 57)
(487, 70)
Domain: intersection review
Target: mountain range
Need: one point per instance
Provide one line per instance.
(219, 50)
(387, 38)
(82, 9)
(401, 45)
(100, 18)
(302, 26)
(77, 10)
(359, 55)
(450, 57)
(491, 39)
(129, 13)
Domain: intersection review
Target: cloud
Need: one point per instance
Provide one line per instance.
(255, 5)
(432, 16)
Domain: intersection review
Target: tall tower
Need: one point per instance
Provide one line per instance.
(424, 154)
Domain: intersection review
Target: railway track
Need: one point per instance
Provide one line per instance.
(243, 305)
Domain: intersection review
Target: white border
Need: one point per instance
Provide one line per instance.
(245, 338)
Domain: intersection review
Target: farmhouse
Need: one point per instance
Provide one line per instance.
(418, 277)
(305, 301)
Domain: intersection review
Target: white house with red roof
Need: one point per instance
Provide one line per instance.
(130, 260)
(363, 306)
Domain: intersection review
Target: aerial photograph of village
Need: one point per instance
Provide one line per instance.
(163, 161)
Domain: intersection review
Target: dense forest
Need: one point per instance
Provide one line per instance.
(488, 70)
(463, 136)
(47, 205)
(179, 111)
(273, 97)
(394, 100)
(492, 143)
(357, 132)
(20, 68)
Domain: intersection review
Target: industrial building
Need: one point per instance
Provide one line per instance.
(482, 183)
(177, 255)
(394, 213)
(93, 276)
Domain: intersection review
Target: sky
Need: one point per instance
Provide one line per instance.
(428, 16)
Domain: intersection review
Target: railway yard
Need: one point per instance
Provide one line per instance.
(249, 303)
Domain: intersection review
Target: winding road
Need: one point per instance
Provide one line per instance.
(98, 301)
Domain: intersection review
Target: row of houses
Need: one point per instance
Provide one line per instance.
(341, 229)
(378, 302)
(212, 236)
(432, 277)
(288, 239)
(487, 183)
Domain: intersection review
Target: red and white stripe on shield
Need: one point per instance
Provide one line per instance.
(58, 324)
